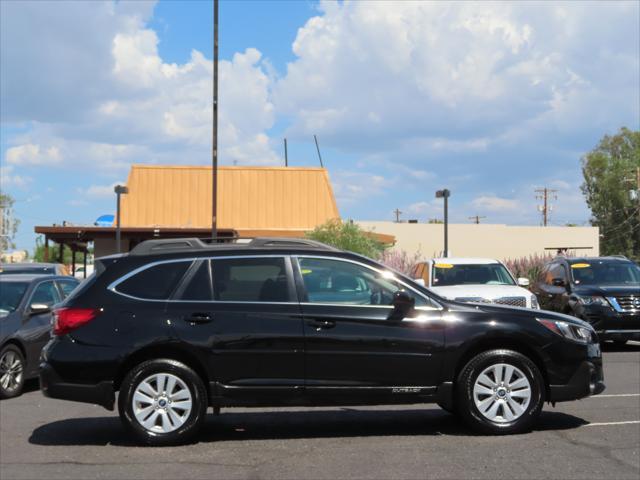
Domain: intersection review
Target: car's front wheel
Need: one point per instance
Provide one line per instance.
(500, 392)
(162, 402)
(11, 372)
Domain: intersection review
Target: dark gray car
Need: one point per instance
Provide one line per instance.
(25, 323)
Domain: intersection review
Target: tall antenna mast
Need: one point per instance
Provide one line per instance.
(214, 159)
(318, 149)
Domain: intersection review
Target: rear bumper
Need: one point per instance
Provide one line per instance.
(586, 381)
(54, 387)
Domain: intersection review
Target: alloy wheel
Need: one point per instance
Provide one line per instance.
(162, 403)
(502, 393)
(11, 371)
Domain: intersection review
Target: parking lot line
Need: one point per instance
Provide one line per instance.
(617, 395)
(602, 424)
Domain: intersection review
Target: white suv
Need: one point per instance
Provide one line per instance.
(481, 280)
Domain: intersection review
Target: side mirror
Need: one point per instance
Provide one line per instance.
(38, 308)
(420, 281)
(557, 282)
(523, 282)
(403, 304)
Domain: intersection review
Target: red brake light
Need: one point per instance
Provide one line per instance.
(67, 319)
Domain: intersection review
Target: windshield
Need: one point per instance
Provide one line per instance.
(599, 272)
(447, 274)
(10, 295)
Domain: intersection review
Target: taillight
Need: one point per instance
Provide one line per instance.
(67, 319)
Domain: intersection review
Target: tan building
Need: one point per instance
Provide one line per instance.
(486, 240)
(176, 201)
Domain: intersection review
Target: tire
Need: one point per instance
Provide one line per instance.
(492, 404)
(169, 415)
(12, 366)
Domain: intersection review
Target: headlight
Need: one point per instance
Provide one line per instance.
(534, 302)
(569, 330)
(593, 301)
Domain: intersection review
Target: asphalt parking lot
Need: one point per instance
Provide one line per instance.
(599, 437)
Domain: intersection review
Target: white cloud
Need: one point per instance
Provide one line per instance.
(458, 76)
(10, 179)
(124, 104)
(99, 191)
(495, 204)
(30, 154)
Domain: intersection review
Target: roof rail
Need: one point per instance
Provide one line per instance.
(171, 245)
(289, 242)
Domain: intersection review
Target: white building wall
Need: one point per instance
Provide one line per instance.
(487, 240)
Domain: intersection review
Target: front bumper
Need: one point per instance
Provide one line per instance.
(612, 325)
(586, 381)
(53, 386)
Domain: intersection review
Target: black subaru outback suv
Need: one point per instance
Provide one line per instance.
(603, 291)
(176, 326)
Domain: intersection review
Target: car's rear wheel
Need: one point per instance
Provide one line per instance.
(500, 392)
(11, 372)
(162, 402)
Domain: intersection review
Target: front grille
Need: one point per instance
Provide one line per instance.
(628, 303)
(512, 301)
(472, 300)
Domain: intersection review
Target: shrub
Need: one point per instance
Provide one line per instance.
(348, 236)
(400, 260)
(528, 267)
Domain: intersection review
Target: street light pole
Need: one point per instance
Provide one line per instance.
(445, 194)
(119, 190)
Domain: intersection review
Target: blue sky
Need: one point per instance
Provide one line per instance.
(491, 100)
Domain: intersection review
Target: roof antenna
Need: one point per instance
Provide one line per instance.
(286, 158)
(318, 149)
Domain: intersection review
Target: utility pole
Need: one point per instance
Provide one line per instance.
(476, 219)
(545, 194)
(214, 152)
(397, 213)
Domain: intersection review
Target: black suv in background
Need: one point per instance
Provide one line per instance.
(177, 326)
(604, 291)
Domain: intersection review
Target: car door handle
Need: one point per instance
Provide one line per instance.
(198, 318)
(321, 324)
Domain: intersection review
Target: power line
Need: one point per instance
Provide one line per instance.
(545, 194)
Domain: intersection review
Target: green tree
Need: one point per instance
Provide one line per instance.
(8, 223)
(348, 236)
(609, 172)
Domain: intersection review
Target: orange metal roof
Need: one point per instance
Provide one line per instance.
(252, 198)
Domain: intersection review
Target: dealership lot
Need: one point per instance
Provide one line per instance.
(596, 437)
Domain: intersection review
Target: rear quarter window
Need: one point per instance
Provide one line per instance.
(154, 283)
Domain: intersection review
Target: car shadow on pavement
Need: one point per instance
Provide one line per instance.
(263, 425)
(616, 347)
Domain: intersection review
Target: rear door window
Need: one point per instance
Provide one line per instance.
(251, 280)
(156, 282)
(198, 285)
